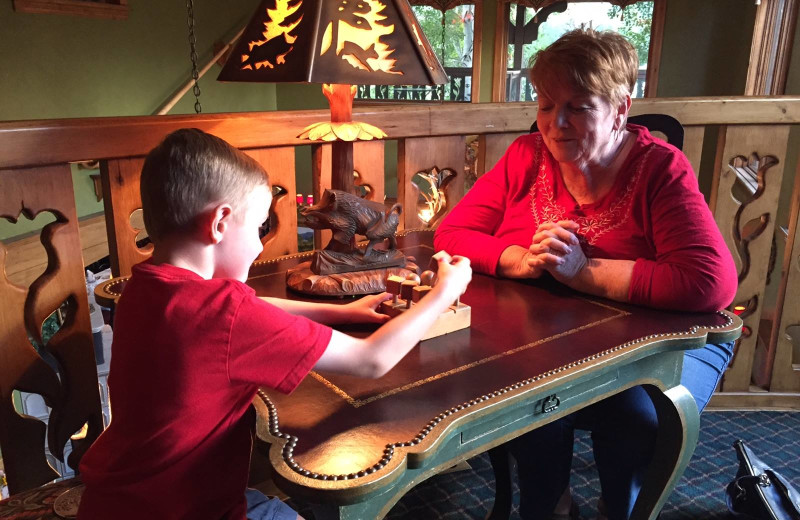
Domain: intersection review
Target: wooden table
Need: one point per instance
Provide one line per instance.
(535, 352)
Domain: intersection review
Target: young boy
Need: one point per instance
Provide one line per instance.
(192, 343)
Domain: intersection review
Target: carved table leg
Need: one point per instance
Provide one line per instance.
(678, 428)
(500, 458)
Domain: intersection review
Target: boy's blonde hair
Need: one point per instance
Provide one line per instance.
(602, 63)
(188, 171)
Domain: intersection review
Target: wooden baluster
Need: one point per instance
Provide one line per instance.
(73, 394)
(749, 243)
(120, 178)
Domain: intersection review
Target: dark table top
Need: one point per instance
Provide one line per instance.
(523, 334)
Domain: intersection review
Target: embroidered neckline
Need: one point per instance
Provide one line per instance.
(591, 227)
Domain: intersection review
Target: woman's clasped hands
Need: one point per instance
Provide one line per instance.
(555, 248)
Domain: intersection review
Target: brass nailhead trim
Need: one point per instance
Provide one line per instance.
(388, 452)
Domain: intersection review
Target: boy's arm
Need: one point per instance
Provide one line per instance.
(362, 310)
(383, 349)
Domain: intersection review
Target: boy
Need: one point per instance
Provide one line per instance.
(192, 343)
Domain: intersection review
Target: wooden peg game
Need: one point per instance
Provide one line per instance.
(409, 291)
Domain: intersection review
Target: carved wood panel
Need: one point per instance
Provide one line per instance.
(786, 330)
(748, 226)
(120, 178)
(423, 156)
(368, 172)
(72, 393)
(279, 163)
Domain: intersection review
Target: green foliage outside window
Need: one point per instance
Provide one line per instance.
(636, 21)
(458, 35)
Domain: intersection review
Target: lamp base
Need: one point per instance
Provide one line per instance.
(349, 131)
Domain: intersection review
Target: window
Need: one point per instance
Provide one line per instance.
(451, 33)
(530, 30)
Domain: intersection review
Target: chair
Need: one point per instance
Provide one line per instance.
(61, 369)
(666, 124)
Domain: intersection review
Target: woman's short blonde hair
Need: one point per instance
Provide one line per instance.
(188, 171)
(601, 63)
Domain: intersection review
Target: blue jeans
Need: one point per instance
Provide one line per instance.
(623, 430)
(259, 507)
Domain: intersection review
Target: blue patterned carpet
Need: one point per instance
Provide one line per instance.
(700, 495)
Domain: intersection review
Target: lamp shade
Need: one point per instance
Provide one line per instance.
(354, 42)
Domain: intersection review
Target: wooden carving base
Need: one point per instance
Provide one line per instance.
(303, 280)
(456, 317)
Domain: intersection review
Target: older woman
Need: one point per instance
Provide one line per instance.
(603, 207)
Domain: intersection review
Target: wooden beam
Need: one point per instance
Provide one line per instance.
(654, 53)
(41, 142)
(477, 52)
(500, 52)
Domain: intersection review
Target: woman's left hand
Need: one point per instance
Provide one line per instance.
(556, 249)
(363, 310)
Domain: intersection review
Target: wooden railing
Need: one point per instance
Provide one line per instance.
(751, 132)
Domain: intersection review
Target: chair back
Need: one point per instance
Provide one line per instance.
(663, 123)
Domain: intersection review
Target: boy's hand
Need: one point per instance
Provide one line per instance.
(363, 309)
(454, 273)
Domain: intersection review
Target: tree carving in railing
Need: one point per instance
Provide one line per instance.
(141, 239)
(362, 187)
(274, 221)
(746, 232)
(62, 368)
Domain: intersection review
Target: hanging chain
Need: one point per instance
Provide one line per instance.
(193, 55)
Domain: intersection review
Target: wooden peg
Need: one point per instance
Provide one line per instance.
(393, 283)
(407, 291)
(419, 292)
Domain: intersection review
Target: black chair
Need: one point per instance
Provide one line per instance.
(667, 125)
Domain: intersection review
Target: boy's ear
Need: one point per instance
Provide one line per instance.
(217, 221)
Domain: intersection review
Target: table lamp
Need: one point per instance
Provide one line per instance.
(341, 44)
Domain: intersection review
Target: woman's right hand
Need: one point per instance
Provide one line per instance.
(518, 262)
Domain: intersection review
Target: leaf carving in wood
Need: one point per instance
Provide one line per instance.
(435, 200)
(362, 188)
(274, 222)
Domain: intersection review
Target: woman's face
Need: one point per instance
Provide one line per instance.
(577, 127)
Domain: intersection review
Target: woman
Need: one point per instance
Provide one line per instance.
(602, 207)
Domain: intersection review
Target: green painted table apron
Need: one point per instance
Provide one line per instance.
(536, 351)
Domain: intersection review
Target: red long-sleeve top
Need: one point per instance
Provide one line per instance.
(654, 215)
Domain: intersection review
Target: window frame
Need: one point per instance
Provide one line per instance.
(477, 44)
(500, 68)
